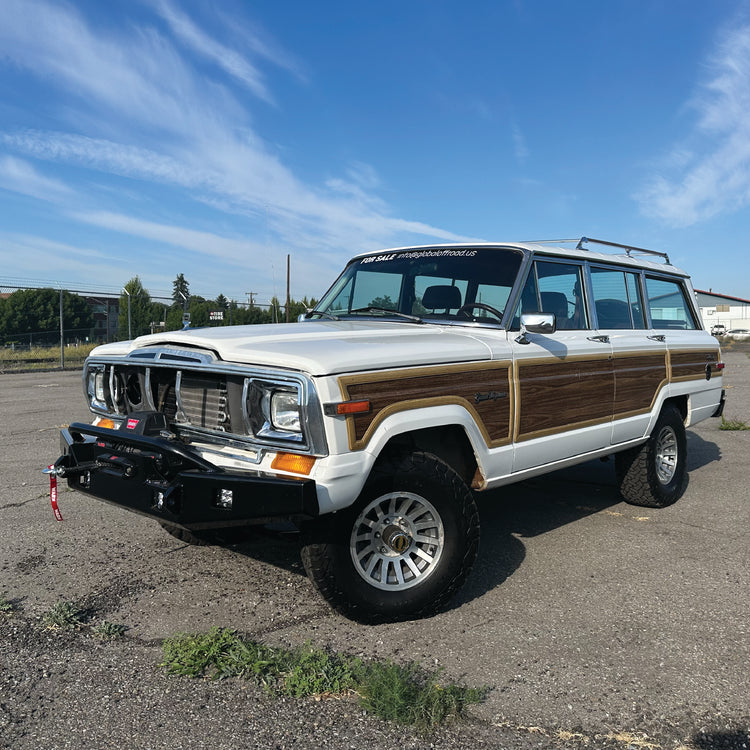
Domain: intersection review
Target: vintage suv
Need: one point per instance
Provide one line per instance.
(424, 374)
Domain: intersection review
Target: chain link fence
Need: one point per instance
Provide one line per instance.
(50, 327)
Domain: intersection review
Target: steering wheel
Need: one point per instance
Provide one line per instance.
(464, 309)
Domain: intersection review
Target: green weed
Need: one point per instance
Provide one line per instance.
(412, 695)
(63, 616)
(733, 424)
(6, 606)
(108, 631)
(408, 695)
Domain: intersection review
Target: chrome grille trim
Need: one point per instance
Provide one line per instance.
(225, 419)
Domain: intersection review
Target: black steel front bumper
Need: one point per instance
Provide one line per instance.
(163, 478)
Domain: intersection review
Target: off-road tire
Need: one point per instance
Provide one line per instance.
(653, 475)
(425, 492)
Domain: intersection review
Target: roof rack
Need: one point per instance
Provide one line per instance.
(628, 248)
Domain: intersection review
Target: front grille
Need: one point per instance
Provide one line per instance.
(203, 401)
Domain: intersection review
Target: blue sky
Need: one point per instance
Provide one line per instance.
(157, 137)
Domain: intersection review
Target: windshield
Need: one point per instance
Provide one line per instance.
(445, 284)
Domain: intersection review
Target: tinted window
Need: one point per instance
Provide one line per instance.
(668, 305)
(431, 282)
(554, 288)
(617, 299)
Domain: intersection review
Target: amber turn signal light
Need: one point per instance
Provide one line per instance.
(347, 407)
(293, 462)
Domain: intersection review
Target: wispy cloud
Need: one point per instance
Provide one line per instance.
(520, 148)
(230, 60)
(205, 243)
(709, 173)
(19, 176)
(136, 105)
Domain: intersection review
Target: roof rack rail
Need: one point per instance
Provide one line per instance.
(628, 248)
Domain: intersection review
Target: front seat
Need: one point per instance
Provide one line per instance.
(441, 297)
(556, 302)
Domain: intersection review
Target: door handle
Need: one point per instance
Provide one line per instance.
(602, 339)
(657, 337)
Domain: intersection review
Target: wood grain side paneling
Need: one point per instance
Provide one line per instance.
(638, 380)
(484, 390)
(563, 395)
(691, 365)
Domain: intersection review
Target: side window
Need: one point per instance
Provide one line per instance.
(637, 310)
(554, 288)
(560, 293)
(616, 299)
(668, 305)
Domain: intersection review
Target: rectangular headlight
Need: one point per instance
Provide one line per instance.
(285, 411)
(96, 388)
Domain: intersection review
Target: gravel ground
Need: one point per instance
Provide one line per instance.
(596, 624)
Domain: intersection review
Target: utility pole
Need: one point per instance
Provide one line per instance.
(251, 295)
(130, 333)
(288, 305)
(62, 334)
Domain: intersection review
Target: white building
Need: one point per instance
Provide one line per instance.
(733, 312)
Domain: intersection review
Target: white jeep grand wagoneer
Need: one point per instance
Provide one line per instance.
(424, 375)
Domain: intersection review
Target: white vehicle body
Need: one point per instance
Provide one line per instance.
(581, 360)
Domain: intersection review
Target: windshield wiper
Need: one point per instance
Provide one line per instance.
(372, 309)
(323, 314)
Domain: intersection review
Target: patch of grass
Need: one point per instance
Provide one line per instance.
(412, 695)
(733, 424)
(405, 694)
(108, 631)
(6, 606)
(312, 671)
(41, 358)
(63, 616)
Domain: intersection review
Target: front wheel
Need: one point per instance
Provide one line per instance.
(653, 474)
(403, 549)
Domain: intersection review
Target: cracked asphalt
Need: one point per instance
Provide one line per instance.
(596, 624)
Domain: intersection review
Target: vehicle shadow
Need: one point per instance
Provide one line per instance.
(700, 452)
(533, 507)
(507, 515)
(727, 739)
(276, 544)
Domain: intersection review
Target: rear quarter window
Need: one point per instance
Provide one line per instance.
(668, 304)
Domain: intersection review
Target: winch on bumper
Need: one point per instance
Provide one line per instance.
(161, 477)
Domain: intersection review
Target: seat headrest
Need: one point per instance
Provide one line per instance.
(442, 297)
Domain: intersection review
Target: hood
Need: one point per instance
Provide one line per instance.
(324, 347)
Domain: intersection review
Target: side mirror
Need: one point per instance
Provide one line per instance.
(536, 323)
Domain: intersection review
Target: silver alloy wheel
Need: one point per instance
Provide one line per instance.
(666, 455)
(397, 541)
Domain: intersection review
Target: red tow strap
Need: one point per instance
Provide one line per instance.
(53, 494)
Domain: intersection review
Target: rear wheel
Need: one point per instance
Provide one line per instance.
(653, 474)
(403, 549)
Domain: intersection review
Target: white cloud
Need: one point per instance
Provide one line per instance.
(133, 105)
(710, 173)
(231, 61)
(205, 243)
(19, 176)
(520, 148)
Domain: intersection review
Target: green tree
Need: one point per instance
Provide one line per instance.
(37, 312)
(142, 310)
(180, 287)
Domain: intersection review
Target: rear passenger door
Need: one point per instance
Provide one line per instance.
(639, 353)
